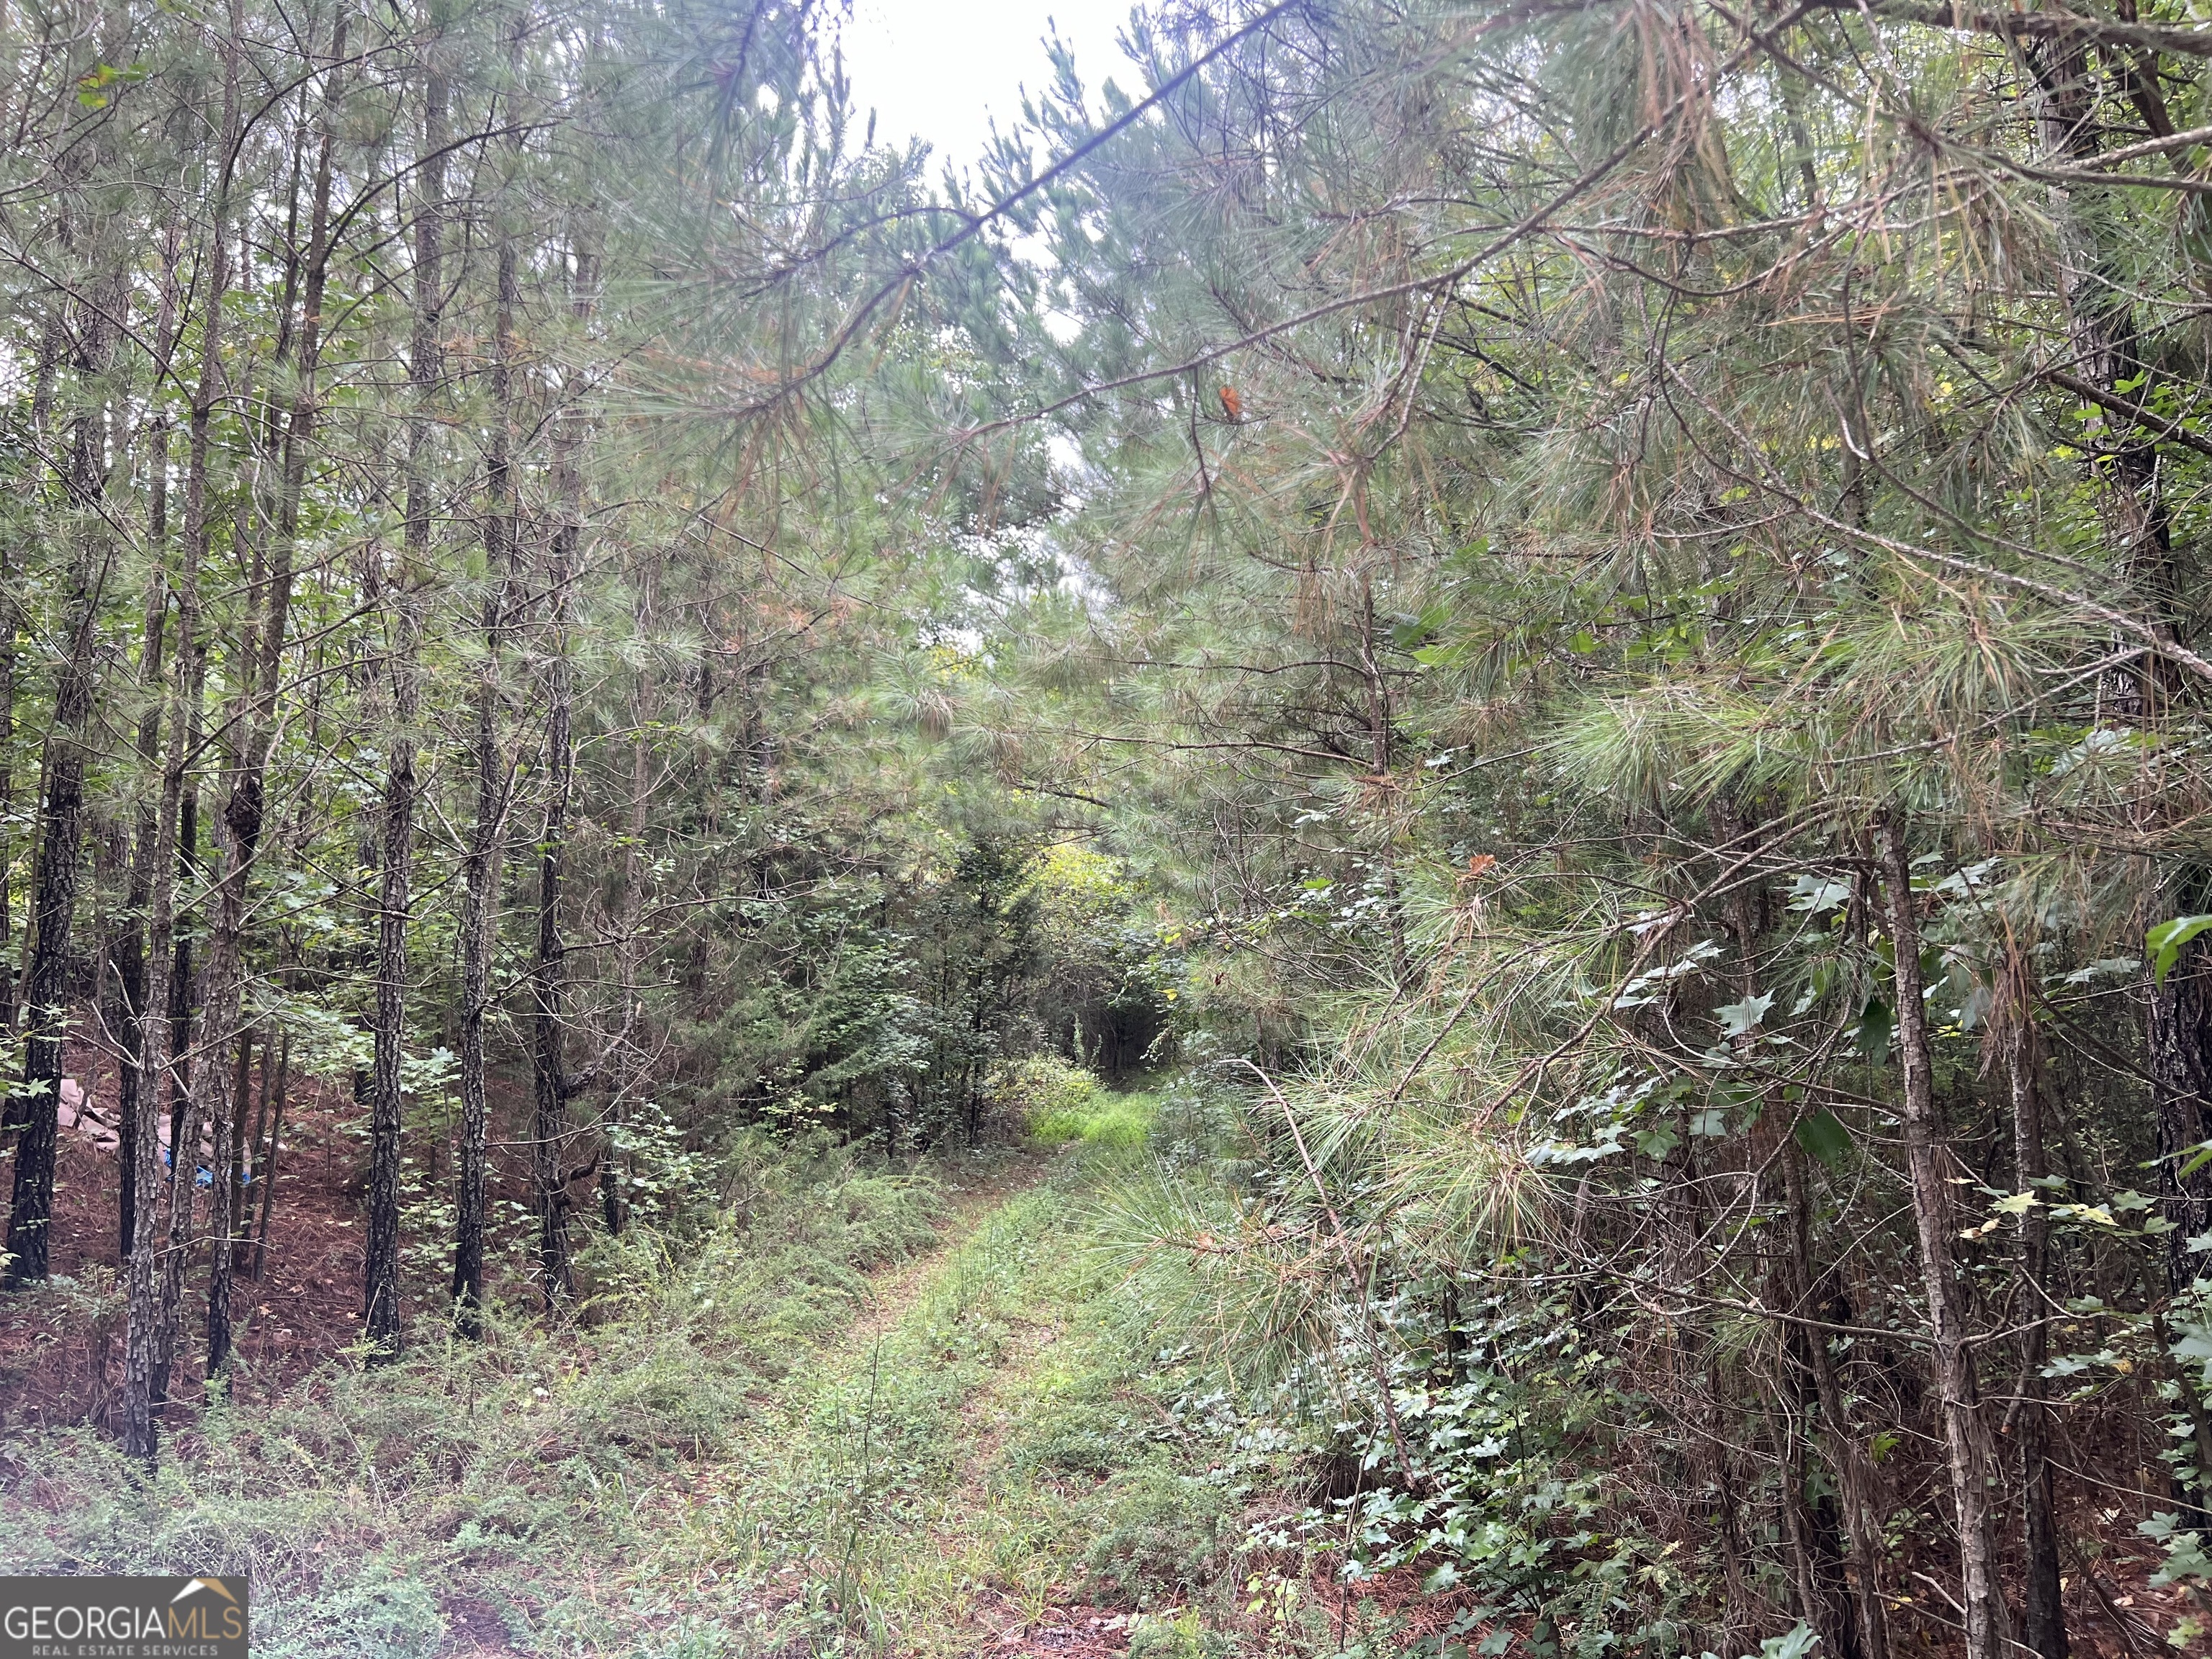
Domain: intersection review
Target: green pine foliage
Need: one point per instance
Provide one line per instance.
(1502, 707)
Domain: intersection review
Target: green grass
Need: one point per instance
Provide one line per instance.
(1105, 1120)
(546, 1478)
(1006, 1436)
(782, 1435)
(1060, 1104)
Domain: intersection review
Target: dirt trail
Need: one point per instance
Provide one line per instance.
(1002, 1622)
(893, 1291)
(785, 1449)
(935, 1542)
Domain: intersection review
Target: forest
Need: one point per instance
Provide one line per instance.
(1400, 847)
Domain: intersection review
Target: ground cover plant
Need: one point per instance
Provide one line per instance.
(881, 1411)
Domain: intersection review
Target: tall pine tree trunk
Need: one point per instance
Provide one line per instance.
(43, 382)
(55, 872)
(480, 867)
(131, 950)
(2105, 337)
(380, 1311)
(549, 989)
(252, 735)
(1965, 1438)
(184, 1119)
(2042, 1608)
(630, 933)
(130, 960)
(549, 1077)
(1855, 1476)
(156, 1302)
(144, 1366)
(162, 1232)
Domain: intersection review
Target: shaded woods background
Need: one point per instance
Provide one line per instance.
(1591, 613)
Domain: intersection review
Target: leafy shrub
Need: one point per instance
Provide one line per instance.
(1057, 1103)
(1160, 1535)
(1076, 1439)
(1042, 1090)
(1157, 1636)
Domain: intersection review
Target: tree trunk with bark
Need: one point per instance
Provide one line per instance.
(380, 1311)
(481, 865)
(2043, 1609)
(55, 872)
(1965, 1438)
(130, 960)
(161, 1231)
(1854, 1475)
(549, 1075)
(252, 724)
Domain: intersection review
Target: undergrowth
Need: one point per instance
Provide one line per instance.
(1057, 1103)
(528, 1478)
(1009, 1444)
(760, 1433)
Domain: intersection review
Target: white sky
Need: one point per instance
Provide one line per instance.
(940, 70)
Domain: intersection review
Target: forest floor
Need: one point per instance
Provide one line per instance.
(915, 1414)
(61, 1353)
(941, 1457)
(872, 1413)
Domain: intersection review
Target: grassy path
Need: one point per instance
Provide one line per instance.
(931, 1486)
(751, 1445)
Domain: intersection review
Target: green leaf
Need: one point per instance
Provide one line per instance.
(2195, 1342)
(1796, 1645)
(1813, 893)
(1823, 1136)
(2096, 1212)
(2164, 942)
(1738, 1019)
(1875, 1024)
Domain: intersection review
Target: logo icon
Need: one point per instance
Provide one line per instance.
(214, 1584)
